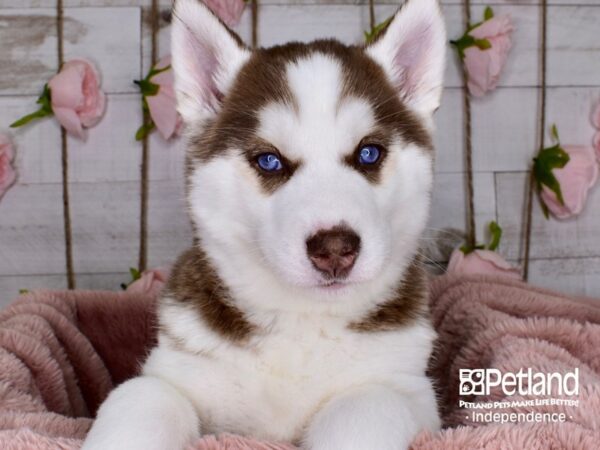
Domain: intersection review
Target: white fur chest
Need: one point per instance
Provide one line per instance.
(273, 386)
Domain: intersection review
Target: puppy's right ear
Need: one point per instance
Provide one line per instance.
(206, 57)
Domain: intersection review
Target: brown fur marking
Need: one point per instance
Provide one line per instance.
(408, 304)
(194, 282)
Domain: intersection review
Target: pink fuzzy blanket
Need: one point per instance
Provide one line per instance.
(62, 352)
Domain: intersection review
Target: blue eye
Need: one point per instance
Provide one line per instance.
(269, 162)
(369, 154)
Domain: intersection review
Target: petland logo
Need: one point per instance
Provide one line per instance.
(533, 390)
(524, 382)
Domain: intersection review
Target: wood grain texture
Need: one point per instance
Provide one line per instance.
(31, 230)
(105, 226)
(10, 286)
(449, 204)
(578, 276)
(28, 51)
(112, 40)
(110, 152)
(169, 229)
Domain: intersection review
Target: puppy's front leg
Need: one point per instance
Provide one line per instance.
(144, 413)
(370, 417)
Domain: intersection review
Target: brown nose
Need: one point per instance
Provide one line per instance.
(334, 251)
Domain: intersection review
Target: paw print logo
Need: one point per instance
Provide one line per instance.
(472, 381)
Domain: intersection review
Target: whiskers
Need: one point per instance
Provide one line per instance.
(435, 246)
(427, 262)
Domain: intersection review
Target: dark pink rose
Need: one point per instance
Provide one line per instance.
(576, 179)
(77, 101)
(484, 66)
(163, 108)
(150, 282)
(8, 175)
(229, 11)
(484, 262)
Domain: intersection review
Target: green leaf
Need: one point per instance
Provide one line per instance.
(544, 163)
(147, 87)
(46, 109)
(463, 43)
(466, 40)
(23, 291)
(482, 44)
(45, 100)
(545, 209)
(145, 107)
(466, 249)
(496, 235)
(155, 71)
(488, 13)
(141, 133)
(471, 27)
(144, 130)
(135, 273)
(29, 117)
(554, 133)
(371, 36)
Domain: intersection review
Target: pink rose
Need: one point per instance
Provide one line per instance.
(151, 282)
(163, 108)
(77, 101)
(8, 174)
(576, 179)
(484, 262)
(229, 11)
(484, 66)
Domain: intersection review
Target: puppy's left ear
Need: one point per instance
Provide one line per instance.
(412, 51)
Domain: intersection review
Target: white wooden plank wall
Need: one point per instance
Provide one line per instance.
(105, 170)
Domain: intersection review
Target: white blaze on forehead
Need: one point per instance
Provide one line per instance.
(316, 84)
(319, 122)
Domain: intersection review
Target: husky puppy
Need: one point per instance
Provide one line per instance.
(300, 314)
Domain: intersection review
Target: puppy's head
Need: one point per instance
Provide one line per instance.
(309, 165)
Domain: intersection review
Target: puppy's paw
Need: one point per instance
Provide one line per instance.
(144, 413)
(370, 417)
